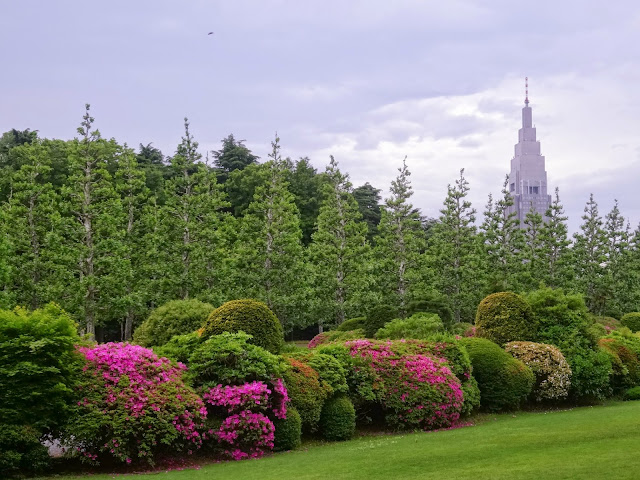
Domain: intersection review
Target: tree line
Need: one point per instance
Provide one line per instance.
(110, 233)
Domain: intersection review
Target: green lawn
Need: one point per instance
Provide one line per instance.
(584, 443)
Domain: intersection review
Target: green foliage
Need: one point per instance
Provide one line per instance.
(335, 336)
(624, 348)
(306, 392)
(504, 382)
(368, 198)
(177, 317)
(591, 371)
(249, 316)
(21, 451)
(288, 431)
(552, 372)
(419, 325)
(39, 367)
(180, 347)
(433, 303)
(377, 317)
(505, 317)
(230, 359)
(352, 324)
(632, 393)
(330, 370)
(338, 419)
(631, 321)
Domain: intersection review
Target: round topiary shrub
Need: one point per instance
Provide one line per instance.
(505, 317)
(419, 325)
(552, 372)
(352, 324)
(338, 419)
(504, 382)
(249, 316)
(133, 407)
(288, 431)
(306, 392)
(631, 321)
(177, 317)
(377, 317)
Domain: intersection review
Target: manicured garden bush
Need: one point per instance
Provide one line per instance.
(288, 431)
(624, 348)
(504, 382)
(334, 336)
(352, 324)
(249, 316)
(338, 418)
(632, 393)
(551, 370)
(377, 317)
(331, 371)
(609, 323)
(229, 359)
(39, 370)
(419, 325)
(177, 317)
(505, 317)
(433, 303)
(463, 329)
(133, 407)
(180, 347)
(631, 321)
(306, 392)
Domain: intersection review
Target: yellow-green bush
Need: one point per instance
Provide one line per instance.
(505, 317)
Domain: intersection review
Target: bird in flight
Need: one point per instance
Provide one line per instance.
(210, 33)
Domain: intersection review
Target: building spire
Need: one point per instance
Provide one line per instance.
(526, 91)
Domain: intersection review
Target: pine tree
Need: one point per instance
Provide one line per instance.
(453, 252)
(268, 255)
(554, 246)
(532, 269)
(503, 242)
(589, 256)
(616, 273)
(339, 252)
(399, 244)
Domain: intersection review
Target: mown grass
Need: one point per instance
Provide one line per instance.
(582, 443)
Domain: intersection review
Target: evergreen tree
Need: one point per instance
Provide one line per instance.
(368, 198)
(555, 246)
(339, 252)
(532, 269)
(233, 155)
(589, 255)
(453, 252)
(615, 280)
(306, 185)
(399, 244)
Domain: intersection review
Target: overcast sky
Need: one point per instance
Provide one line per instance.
(367, 81)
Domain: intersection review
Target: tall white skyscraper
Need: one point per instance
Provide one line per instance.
(528, 177)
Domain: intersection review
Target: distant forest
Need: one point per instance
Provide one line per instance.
(109, 233)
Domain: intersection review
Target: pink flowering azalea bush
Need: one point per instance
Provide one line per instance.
(415, 390)
(134, 406)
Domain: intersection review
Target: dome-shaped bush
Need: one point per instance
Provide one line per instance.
(177, 317)
(377, 317)
(338, 419)
(631, 321)
(552, 372)
(505, 317)
(249, 316)
(504, 382)
(288, 431)
(352, 324)
(306, 392)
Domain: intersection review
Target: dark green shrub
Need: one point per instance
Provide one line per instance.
(504, 382)
(180, 347)
(462, 329)
(306, 392)
(631, 321)
(338, 419)
(433, 303)
(419, 325)
(352, 324)
(377, 317)
(249, 316)
(288, 431)
(21, 451)
(229, 359)
(39, 370)
(591, 371)
(632, 394)
(177, 317)
(505, 317)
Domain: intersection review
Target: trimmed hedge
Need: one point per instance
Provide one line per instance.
(338, 419)
(434, 303)
(504, 382)
(306, 392)
(249, 316)
(377, 317)
(352, 324)
(631, 321)
(419, 325)
(505, 317)
(288, 431)
(180, 347)
(177, 317)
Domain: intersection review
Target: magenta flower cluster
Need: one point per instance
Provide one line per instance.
(247, 431)
(134, 404)
(416, 390)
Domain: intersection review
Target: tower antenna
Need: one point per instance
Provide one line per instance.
(526, 91)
